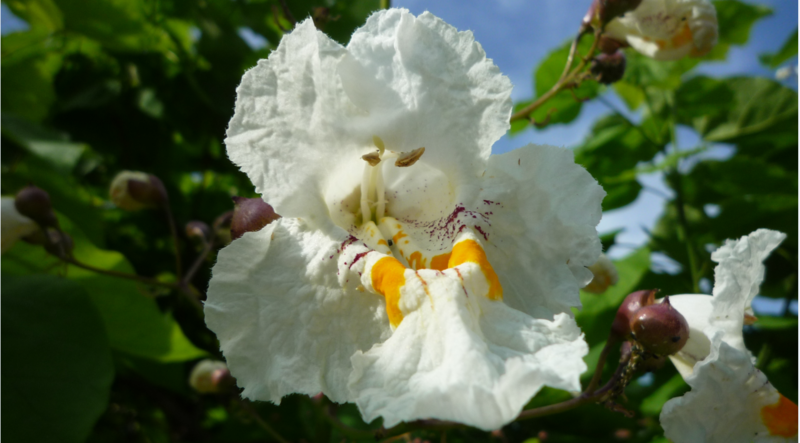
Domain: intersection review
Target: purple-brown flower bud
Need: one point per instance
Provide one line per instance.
(608, 68)
(34, 203)
(660, 328)
(211, 377)
(609, 45)
(197, 230)
(58, 243)
(603, 11)
(620, 329)
(250, 215)
(133, 190)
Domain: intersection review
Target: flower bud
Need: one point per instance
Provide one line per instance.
(59, 243)
(605, 275)
(197, 230)
(610, 45)
(620, 329)
(34, 203)
(603, 11)
(211, 377)
(133, 190)
(250, 215)
(14, 225)
(608, 68)
(660, 328)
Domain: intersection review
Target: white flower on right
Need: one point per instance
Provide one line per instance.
(731, 400)
(14, 225)
(668, 29)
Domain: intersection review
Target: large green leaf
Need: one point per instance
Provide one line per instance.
(132, 319)
(736, 18)
(764, 112)
(787, 51)
(57, 367)
(28, 85)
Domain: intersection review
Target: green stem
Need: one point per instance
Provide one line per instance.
(683, 223)
(386, 4)
(247, 407)
(117, 274)
(563, 82)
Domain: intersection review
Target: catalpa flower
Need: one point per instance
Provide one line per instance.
(731, 400)
(668, 29)
(411, 273)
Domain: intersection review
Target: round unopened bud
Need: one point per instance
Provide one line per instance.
(134, 190)
(611, 9)
(660, 328)
(34, 203)
(211, 377)
(197, 230)
(608, 68)
(621, 329)
(250, 215)
(59, 243)
(605, 275)
(610, 45)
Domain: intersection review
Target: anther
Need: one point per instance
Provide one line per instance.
(373, 158)
(409, 158)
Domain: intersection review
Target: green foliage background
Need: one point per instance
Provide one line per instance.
(98, 86)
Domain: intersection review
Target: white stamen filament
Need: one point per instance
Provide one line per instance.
(366, 213)
(381, 194)
(372, 185)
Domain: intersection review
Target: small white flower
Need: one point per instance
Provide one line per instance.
(417, 283)
(605, 275)
(14, 225)
(668, 29)
(731, 400)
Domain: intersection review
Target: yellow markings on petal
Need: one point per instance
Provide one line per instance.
(683, 37)
(387, 279)
(781, 418)
(398, 236)
(470, 251)
(416, 261)
(440, 262)
(383, 242)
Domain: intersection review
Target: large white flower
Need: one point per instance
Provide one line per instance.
(668, 29)
(14, 225)
(417, 283)
(731, 400)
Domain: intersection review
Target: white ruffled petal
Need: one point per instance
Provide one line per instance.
(283, 321)
(459, 355)
(543, 210)
(731, 400)
(726, 403)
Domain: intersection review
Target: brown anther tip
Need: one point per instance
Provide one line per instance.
(373, 158)
(750, 319)
(409, 158)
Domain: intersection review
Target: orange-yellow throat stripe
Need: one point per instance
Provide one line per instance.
(470, 251)
(781, 418)
(387, 278)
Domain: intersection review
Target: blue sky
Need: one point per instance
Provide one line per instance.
(517, 34)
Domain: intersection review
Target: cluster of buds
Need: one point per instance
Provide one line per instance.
(654, 325)
(29, 216)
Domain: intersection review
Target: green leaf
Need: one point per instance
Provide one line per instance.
(702, 100)
(132, 319)
(787, 51)
(28, 85)
(652, 404)
(736, 18)
(611, 154)
(632, 95)
(57, 370)
(763, 111)
(42, 14)
(49, 145)
(769, 322)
